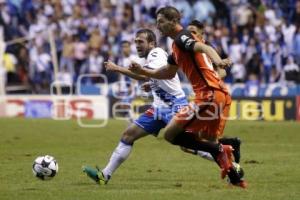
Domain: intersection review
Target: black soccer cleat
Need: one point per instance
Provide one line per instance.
(236, 176)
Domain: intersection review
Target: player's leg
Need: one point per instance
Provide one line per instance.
(176, 134)
(202, 154)
(119, 155)
(143, 126)
(191, 118)
(214, 129)
(236, 173)
(235, 142)
(123, 149)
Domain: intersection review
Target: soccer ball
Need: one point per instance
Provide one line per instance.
(45, 167)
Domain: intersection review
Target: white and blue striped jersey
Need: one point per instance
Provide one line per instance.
(166, 93)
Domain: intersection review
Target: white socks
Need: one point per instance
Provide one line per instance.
(119, 155)
(205, 155)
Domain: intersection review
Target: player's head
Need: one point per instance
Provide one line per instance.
(166, 20)
(197, 28)
(145, 40)
(125, 48)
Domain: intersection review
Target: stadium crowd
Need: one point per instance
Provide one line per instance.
(262, 37)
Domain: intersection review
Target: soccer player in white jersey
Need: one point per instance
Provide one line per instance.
(168, 99)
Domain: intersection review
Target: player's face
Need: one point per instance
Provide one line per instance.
(196, 31)
(165, 26)
(142, 45)
(126, 50)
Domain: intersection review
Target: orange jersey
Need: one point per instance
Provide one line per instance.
(196, 66)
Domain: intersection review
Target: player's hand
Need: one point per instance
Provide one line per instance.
(146, 87)
(225, 63)
(135, 68)
(110, 66)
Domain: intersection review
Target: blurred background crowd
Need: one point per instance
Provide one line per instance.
(262, 37)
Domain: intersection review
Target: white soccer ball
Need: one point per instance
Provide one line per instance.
(45, 167)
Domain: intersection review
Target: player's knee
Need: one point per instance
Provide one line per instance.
(128, 137)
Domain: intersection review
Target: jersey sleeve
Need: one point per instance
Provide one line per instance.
(185, 41)
(157, 58)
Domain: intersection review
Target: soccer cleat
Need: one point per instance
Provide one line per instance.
(224, 159)
(236, 175)
(95, 174)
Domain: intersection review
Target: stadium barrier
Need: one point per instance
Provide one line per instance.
(260, 108)
(101, 107)
(55, 107)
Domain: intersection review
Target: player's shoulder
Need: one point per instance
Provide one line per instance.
(184, 39)
(157, 52)
(183, 35)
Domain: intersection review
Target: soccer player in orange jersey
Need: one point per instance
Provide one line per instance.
(197, 28)
(203, 120)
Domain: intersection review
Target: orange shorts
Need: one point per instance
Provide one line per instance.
(206, 117)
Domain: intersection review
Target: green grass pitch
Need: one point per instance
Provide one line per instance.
(155, 169)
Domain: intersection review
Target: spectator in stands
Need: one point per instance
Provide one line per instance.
(267, 58)
(204, 10)
(296, 47)
(9, 63)
(255, 66)
(233, 27)
(238, 71)
(236, 49)
(40, 70)
(80, 55)
(251, 86)
(96, 40)
(23, 65)
(6, 20)
(186, 11)
(275, 75)
(288, 30)
(66, 62)
(94, 65)
(296, 14)
(251, 49)
(291, 71)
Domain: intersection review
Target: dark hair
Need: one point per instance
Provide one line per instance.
(197, 23)
(150, 35)
(170, 13)
(125, 42)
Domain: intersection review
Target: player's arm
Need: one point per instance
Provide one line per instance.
(212, 54)
(221, 72)
(110, 66)
(186, 42)
(166, 72)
